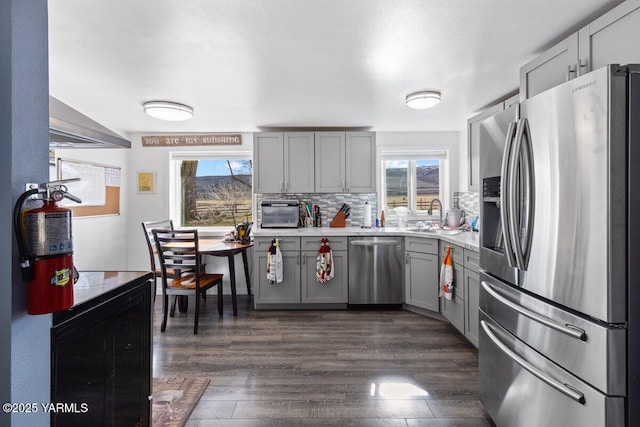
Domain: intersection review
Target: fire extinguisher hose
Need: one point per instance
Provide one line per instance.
(25, 261)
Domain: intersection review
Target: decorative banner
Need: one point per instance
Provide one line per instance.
(191, 140)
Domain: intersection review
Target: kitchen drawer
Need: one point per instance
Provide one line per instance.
(457, 252)
(313, 243)
(421, 244)
(287, 243)
(472, 260)
(591, 350)
(513, 375)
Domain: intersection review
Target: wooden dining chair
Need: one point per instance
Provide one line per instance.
(148, 226)
(182, 270)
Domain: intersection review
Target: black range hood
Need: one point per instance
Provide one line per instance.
(69, 128)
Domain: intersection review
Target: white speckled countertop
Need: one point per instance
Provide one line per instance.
(466, 239)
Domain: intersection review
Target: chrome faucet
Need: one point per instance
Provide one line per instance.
(430, 211)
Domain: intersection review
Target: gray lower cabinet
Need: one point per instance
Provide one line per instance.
(453, 309)
(332, 291)
(300, 284)
(472, 295)
(421, 274)
(286, 292)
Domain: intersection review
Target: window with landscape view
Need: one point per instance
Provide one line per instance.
(214, 192)
(411, 183)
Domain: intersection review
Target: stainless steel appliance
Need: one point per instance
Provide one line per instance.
(375, 270)
(560, 255)
(280, 213)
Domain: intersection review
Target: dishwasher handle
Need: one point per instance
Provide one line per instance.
(375, 242)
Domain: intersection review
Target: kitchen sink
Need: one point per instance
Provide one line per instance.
(438, 231)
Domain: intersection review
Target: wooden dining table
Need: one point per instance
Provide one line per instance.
(221, 248)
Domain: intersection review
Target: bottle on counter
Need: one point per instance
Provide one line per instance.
(382, 218)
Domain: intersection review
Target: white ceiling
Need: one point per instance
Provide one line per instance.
(247, 65)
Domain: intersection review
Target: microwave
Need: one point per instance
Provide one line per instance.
(280, 213)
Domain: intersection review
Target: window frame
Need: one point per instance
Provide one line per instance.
(175, 184)
(411, 156)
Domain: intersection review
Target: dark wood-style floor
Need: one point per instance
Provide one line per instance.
(322, 368)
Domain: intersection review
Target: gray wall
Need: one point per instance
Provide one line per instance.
(5, 203)
(24, 118)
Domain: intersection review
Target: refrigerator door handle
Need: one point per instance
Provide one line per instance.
(505, 194)
(565, 389)
(521, 166)
(531, 192)
(570, 330)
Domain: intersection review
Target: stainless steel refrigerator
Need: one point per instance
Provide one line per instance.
(560, 256)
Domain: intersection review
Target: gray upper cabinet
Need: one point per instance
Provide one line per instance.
(283, 162)
(345, 162)
(330, 162)
(268, 162)
(610, 39)
(361, 162)
(299, 162)
(551, 68)
(474, 138)
(473, 145)
(320, 162)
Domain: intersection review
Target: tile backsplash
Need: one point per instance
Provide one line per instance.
(469, 202)
(329, 204)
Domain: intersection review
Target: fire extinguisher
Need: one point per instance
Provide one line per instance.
(46, 248)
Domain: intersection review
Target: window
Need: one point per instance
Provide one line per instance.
(412, 182)
(211, 190)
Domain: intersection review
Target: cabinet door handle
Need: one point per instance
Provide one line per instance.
(583, 67)
(304, 259)
(407, 257)
(571, 71)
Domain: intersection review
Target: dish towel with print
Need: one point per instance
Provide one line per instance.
(324, 262)
(274, 263)
(446, 276)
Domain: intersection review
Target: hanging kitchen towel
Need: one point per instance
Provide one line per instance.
(271, 262)
(279, 267)
(446, 276)
(324, 262)
(274, 263)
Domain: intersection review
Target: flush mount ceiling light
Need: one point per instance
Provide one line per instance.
(423, 99)
(165, 110)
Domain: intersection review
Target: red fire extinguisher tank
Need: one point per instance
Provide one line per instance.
(48, 233)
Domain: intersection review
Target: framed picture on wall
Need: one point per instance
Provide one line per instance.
(146, 182)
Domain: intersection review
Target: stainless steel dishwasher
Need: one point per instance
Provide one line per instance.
(375, 270)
